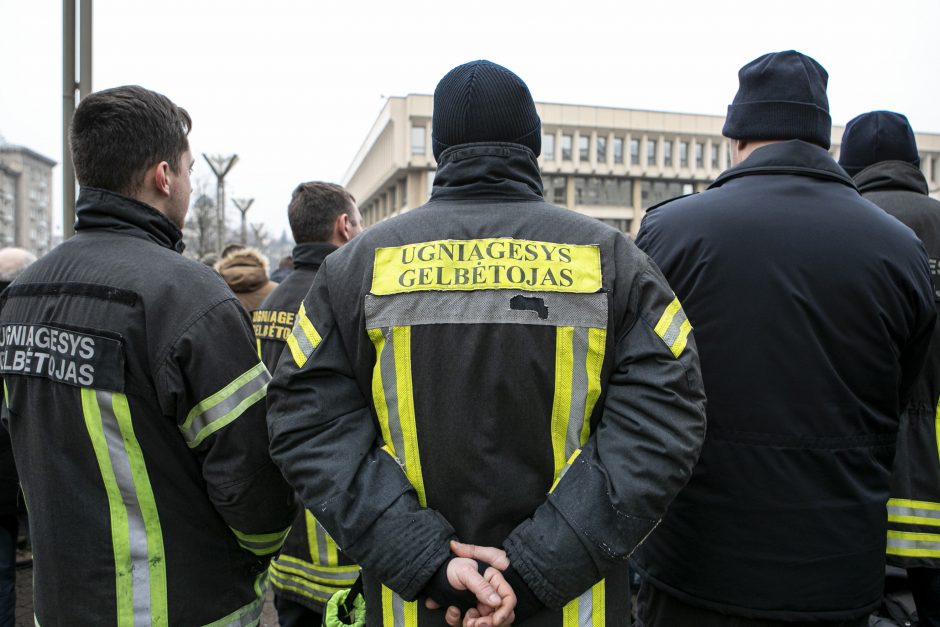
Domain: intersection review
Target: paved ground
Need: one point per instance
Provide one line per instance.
(24, 600)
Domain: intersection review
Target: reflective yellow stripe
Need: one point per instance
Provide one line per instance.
(569, 614)
(388, 613)
(406, 410)
(226, 405)
(338, 576)
(570, 461)
(261, 543)
(561, 404)
(258, 344)
(283, 576)
(378, 389)
(908, 512)
(599, 597)
(937, 429)
(673, 328)
(597, 346)
(587, 610)
(909, 544)
(303, 338)
(307, 326)
(312, 544)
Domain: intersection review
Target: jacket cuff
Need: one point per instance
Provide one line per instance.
(527, 604)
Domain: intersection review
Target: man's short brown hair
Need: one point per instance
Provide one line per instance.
(313, 210)
(117, 134)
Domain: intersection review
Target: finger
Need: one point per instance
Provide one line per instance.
(431, 604)
(452, 616)
(490, 555)
(506, 594)
(470, 618)
(480, 587)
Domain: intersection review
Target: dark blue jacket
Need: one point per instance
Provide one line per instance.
(812, 309)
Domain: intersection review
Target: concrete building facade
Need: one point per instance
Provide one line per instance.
(608, 163)
(25, 198)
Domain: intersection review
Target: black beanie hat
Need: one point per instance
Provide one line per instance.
(877, 136)
(781, 95)
(484, 102)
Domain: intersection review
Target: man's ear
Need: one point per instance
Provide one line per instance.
(341, 229)
(162, 173)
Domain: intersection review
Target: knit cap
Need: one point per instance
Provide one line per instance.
(481, 101)
(781, 95)
(877, 136)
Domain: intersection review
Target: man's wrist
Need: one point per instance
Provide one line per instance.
(527, 604)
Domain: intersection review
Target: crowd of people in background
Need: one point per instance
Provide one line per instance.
(488, 409)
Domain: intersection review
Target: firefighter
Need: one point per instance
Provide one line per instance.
(135, 398)
(310, 568)
(493, 369)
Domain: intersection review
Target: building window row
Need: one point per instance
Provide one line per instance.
(687, 149)
(611, 191)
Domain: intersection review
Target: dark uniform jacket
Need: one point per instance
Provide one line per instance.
(309, 568)
(812, 310)
(450, 364)
(914, 509)
(135, 400)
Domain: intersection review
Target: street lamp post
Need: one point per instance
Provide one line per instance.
(220, 167)
(243, 205)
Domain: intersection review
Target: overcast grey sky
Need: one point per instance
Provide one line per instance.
(293, 86)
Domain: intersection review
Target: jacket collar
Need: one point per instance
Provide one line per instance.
(892, 176)
(497, 171)
(311, 255)
(110, 211)
(789, 157)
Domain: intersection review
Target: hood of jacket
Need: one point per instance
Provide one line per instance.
(487, 171)
(244, 270)
(891, 176)
(788, 157)
(110, 211)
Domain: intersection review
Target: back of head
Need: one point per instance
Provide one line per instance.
(12, 262)
(481, 101)
(231, 248)
(117, 134)
(781, 96)
(874, 137)
(313, 209)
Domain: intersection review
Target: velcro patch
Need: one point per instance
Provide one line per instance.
(63, 355)
(487, 264)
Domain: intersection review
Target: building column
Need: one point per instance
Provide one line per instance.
(569, 191)
(610, 151)
(638, 211)
(592, 150)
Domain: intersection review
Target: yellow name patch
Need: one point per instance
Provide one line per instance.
(487, 264)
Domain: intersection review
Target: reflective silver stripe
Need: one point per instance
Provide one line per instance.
(390, 386)
(136, 531)
(894, 510)
(926, 545)
(322, 547)
(579, 389)
(198, 425)
(347, 577)
(306, 346)
(398, 610)
(672, 333)
(586, 608)
(484, 306)
(246, 616)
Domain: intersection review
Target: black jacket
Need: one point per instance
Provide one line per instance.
(453, 362)
(310, 567)
(135, 401)
(813, 310)
(914, 509)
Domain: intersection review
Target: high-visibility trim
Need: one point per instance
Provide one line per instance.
(378, 388)
(673, 328)
(487, 264)
(6, 394)
(487, 307)
(406, 410)
(588, 610)
(396, 612)
(339, 576)
(226, 405)
(283, 577)
(570, 461)
(258, 345)
(909, 512)
(910, 544)
(597, 346)
(561, 403)
(261, 543)
(136, 535)
(248, 615)
(303, 338)
(323, 549)
(937, 429)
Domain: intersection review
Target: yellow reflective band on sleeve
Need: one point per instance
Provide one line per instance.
(303, 338)
(335, 576)
(248, 615)
(910, 544)
(323, 549)
(261, 543)
(905, 511)
(597, 346)
(6, 394)
(487, 264)
(378, 389)
(226, 405)
(282, 577)
(396, 612)
(570, 461)
(673, 328)
(588, 610)
(258, 344)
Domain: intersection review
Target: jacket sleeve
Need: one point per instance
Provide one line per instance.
(650, 434)
(213, 382)
(324, 438)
